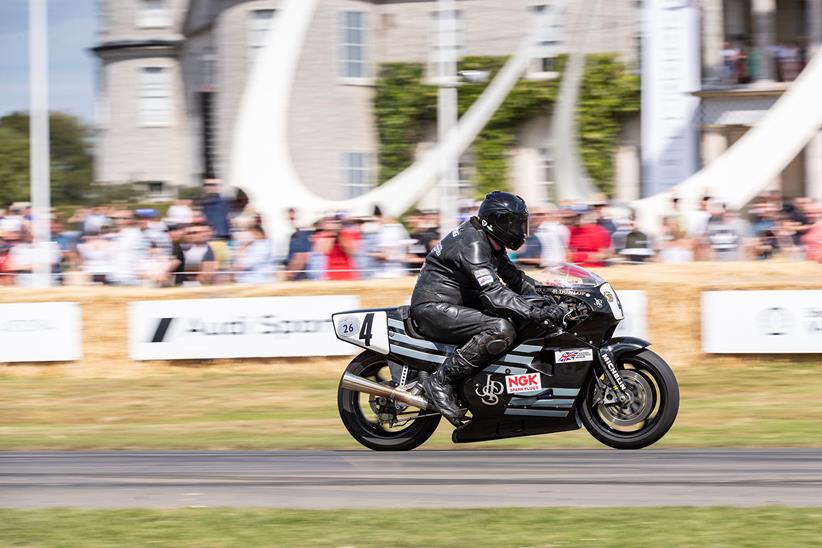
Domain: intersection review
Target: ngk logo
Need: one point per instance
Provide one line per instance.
(523, 383)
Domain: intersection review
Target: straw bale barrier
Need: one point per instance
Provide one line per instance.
(673, 293)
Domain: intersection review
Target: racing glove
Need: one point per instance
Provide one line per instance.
(547, 314)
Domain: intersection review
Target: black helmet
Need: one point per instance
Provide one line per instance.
(504, 216)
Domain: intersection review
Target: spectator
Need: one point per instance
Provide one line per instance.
(392, 246)
(530, 254)
(299, 250)
(24, 257)
(812, 239)
(94, 219)
(698, 220)
(554, 237)
(631, 243)
(155, 266)
(5, 274)
(598, 208)
(154, 230)
(216, 209)
(254, 259)
(366, 259)
(339, 247)
(198, 255)
(729, 55)
(180, 213)
(176, 234)
(13, 221)
(95, 256)
(674, 246)
(129, 249)
(589, 243)
(425, 236)
(725, 236)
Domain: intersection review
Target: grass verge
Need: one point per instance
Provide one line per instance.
(295, 408)
(667, 526)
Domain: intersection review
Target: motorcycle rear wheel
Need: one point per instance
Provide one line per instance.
(648, 418)
(356, 411)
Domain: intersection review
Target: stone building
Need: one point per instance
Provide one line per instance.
(173, 73)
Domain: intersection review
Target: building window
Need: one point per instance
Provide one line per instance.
(260, 23)
(352, 45)
(154, 188)
(549, 20)
(154, 14)
(449, 51)
(546, 184)
(155, 99)
(358, 173)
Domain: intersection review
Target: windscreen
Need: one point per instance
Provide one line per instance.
(569, 275)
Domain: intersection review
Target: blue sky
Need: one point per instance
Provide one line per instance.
(72, 28)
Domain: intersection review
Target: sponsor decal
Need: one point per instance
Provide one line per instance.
(488, 226)
(598, 303)
(609, 296)
(775, 321)
(526, 382)
(574, 355)
(348, 326)
(437, 249)
(490, 391)
(455, 232)
(609, 363)
(484, 277)
(571, 292)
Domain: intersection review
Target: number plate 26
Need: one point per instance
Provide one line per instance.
(366, 329)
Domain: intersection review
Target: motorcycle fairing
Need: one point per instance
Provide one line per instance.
(496, 413)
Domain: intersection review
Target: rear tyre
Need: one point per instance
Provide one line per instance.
(360, 412)
(648, 417)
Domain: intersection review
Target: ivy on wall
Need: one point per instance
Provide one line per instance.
(406, 106)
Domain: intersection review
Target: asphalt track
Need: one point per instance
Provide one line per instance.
(361, 479)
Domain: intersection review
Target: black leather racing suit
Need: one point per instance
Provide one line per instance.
(459, 280)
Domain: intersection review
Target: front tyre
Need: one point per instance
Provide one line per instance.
(650, 413)
(379, 424)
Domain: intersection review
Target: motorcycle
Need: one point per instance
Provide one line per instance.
(554, 379)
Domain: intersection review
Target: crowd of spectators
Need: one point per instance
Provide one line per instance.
(222, 240)
(741, 63)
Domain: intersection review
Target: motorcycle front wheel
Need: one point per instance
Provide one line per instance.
(650, 413)
(377, 423)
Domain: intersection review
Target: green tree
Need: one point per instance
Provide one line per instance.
(72, 164)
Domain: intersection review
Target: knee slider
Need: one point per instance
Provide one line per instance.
(500, 337)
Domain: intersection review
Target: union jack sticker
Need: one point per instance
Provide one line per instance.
(573, 355)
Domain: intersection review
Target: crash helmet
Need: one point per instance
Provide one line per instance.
(504, 217)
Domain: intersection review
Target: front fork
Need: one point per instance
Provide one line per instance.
(615, 384)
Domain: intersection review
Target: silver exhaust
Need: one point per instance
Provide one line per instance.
(359, 384)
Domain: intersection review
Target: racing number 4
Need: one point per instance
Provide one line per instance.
(365, 331)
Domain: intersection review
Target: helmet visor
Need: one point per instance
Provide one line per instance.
(515, 224)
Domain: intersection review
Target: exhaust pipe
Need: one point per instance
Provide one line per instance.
(359, 384)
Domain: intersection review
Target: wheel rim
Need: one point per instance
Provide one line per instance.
(372, 411)
(642, 412)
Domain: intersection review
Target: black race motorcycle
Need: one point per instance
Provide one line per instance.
(552, 380)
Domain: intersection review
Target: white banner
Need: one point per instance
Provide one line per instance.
(635, 323)
(237, 328)
(670, 72)
(40, 332)
(762, 322)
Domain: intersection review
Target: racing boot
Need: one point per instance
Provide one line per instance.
(439, 386)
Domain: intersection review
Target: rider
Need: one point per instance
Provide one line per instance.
(459, 298)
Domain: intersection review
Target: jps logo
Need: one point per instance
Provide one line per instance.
(526, 382)
(490, 391)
